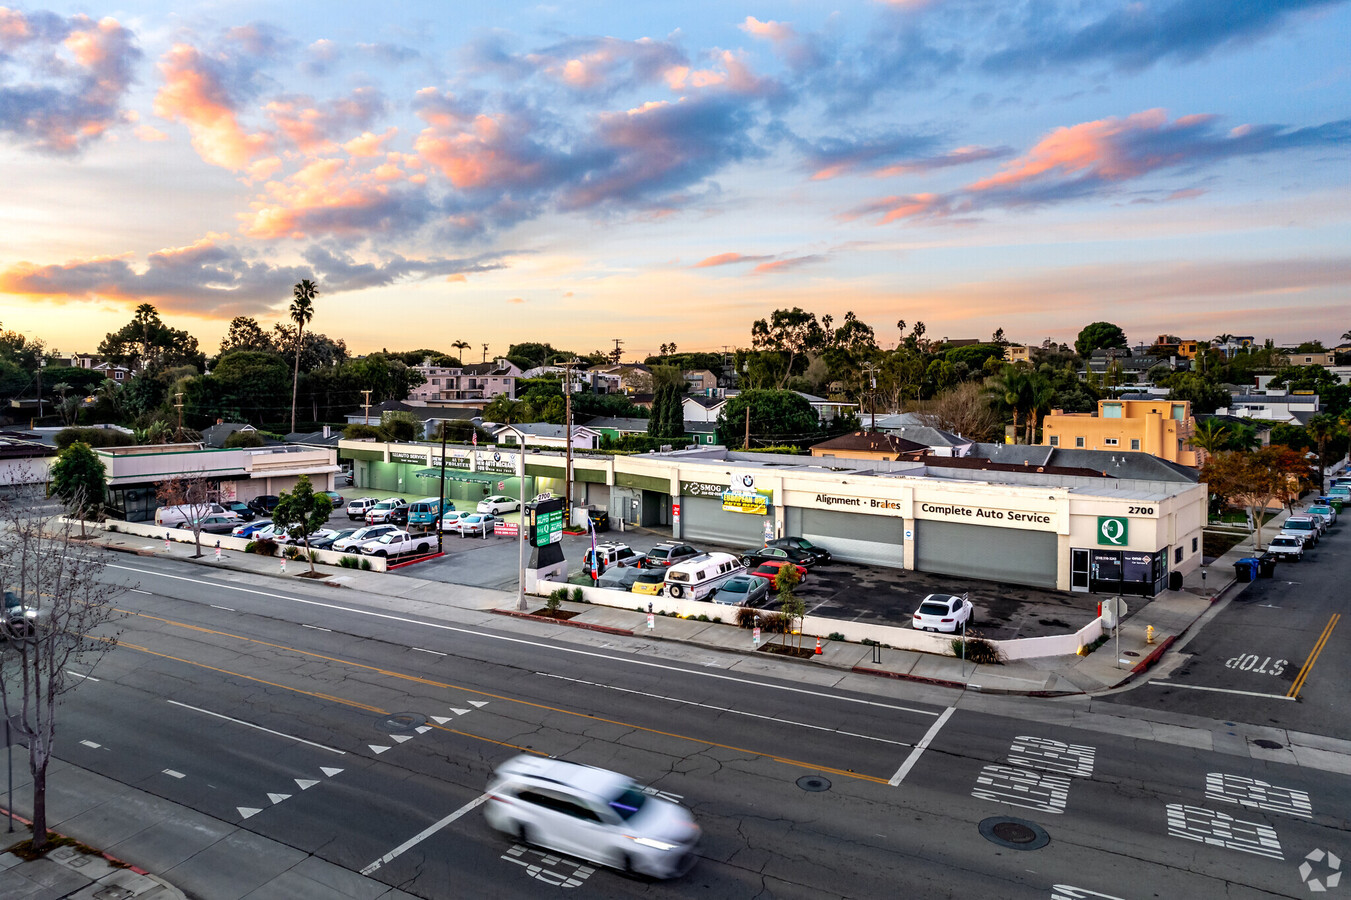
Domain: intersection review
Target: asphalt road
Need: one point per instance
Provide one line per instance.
(1278, 654)
(365, 737)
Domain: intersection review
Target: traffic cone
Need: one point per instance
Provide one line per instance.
(818, 646)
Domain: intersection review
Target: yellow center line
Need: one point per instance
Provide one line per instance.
(843, 773)
(1313, 657)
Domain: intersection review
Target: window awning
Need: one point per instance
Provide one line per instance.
(462, 475)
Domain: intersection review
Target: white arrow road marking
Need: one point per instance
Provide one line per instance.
(440, 720)
(329, 772)
(377, 749)
(277, 798)
(460, 712)
(424, 729)
(306, 783)
(247, 811)
(401, 737)
(479, 703)
(91, 744)
(424, 834)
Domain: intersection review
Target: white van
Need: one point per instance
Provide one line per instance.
(701, 575)
(173, 516)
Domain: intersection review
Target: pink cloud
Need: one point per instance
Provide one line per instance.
(784, 265)
(192, 94)
(726, 259)
(334, 196)
(770, 30)
(367, 144)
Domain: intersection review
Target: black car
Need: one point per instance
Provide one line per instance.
(665, 555)
(399, 516)
(821, 554)
(263, 504)
(600, 519)
(326, 543)
(752, 558)
(242, 510)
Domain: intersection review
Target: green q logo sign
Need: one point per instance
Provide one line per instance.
(1113, 530)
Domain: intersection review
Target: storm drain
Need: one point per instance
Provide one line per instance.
(813, 783)
(398, 723)
(1268, 745)
(1015, 834)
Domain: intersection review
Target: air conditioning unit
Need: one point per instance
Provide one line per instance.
(665, 448)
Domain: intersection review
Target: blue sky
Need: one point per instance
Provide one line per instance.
(659, 172)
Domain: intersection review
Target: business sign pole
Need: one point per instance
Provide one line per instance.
(520, 533)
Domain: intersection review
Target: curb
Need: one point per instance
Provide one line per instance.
(586, 626)
(103, 853)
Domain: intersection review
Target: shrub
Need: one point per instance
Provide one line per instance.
(290, 551)
(365, 564)
(718, 619)
(553, 599)
(251, 547)
(578, 595)
(112, 528)
(702, 618)
(349, 562)
(265, 546)
(313, 556)
(978, 650)
(835, 636)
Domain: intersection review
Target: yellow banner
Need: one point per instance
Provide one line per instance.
(756, 504)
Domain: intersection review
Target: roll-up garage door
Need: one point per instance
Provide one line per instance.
(982, 551)
(852, 537)
(704, 519)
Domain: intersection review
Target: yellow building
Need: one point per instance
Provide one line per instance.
(1161, 428)
(1016, 353)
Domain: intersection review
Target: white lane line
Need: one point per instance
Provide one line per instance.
(226, 608)
(424, 834)
(433, 652)
(138, 591)
(728, 709)
(289, 737)
(82, 675)
(1199, 687)
(923, 745)
(315, 627)
(390, 617)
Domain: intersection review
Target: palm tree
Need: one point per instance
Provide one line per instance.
(1210, 436)
(1040, 395)
(1222, 339)
(302, 311)
(1323, 428)
(1014, 388)
(461, 346)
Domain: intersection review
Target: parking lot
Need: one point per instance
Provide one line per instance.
(846, 591)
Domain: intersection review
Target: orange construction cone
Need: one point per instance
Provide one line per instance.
(818, 646)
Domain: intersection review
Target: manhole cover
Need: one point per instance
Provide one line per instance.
(1129, 653)
(813, 783)
(1016, 834)
(397, 723)
(1268, 745)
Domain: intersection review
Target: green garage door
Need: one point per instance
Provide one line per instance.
(986, 552)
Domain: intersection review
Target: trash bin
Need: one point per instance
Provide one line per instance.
(1245, 569)
(1174, 581)
(1266, 565)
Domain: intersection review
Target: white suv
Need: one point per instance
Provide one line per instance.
(591, 813)
(357, 509)
(381, 511)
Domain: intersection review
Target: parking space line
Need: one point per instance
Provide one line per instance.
(1218, 690)
(1295, 688)
(923, 745)
(424, 834)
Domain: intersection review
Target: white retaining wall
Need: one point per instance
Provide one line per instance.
(227, 541)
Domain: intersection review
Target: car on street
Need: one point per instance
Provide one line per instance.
(668, 553)
(17, 619)
(397, 543)
(1310, 527)
(263, 504)
(743, 590)
(216, 523)
(945, 613)
(592, 813)
(650, 582)
(361, 536)
(1287, 547)
(1326, 511)
(475, 523)
(335, 499)
(769, 570)
(249, 529)
(357, 509)
(242, 510)
(327, 541)
(382, 511)
(496, 505)
(781, 554)
(801, 544)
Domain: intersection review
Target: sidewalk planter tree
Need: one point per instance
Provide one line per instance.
(1257, 479)
(79, 481)
(794, 610)
(196, 495)
(301, 513)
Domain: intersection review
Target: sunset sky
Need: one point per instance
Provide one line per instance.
(654, 172)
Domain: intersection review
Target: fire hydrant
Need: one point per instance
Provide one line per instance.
(1149, 634)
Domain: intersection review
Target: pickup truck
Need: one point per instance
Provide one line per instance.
(1286, 547)
(397, 543)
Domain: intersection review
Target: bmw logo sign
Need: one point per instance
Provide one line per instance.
(497, 457)
(748, 481)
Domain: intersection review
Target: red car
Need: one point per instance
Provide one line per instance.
(768, 570)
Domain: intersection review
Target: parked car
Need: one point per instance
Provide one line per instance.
(217, 523)
(242, 510)
(270, 532)
(1326, 511)
(450, 518)
(475, 523)
(498, 504)
(396, 543)
(667, 553)
(1307, 527)
(173, 516)
(381, 511)
(335, 498)
(425, 511)
(943, 612)
(599, 518)
(327, 541)
(611, 553)
(357, 509)
(249, 529)
(361, 536)
(769, 570)
(742, 590)
(782, 554)
(263, 504)
(285, 537)
(595, 814)
(821, 554)
(650, 582)
(1287, 547)
(701, 575)
(399, 516)
(620, 578)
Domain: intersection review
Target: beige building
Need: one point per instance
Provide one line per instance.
(1161, 428)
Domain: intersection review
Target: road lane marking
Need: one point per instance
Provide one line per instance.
(1218, 690)
(226, 608)
(728, 709)
(1295, 688)
(538, 645)
(424, 834)
(289, 737)
(923, 745)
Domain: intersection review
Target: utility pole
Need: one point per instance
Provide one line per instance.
(367, 405)
(485, 352)
(871, 369)
(178, 403)
(441, 503)
(42, 364)
(567, 437)
(747, 444)
(616, 354)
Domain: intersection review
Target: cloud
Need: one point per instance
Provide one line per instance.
(604, 65)
(726, 259)
(63, 79)
(516, 300)
(199, 92)
(1134, 36)
(1096, 158)
(785, 265)
(331, 196)
(313, 127)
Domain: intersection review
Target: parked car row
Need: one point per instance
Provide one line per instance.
(1301, 532)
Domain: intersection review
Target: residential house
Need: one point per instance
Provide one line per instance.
(628, 378)
(1324, 358)
(701, 381)
(215, 435)
(475, 382)
(1016, 353)
(1162, 428)
(1132, 367)
(430, 416)
(869, 445)
(543, 434)
(699, 408)
(616, 427)
(1171, 345)
(1293, 408)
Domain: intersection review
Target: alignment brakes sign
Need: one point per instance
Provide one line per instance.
(1113, 530)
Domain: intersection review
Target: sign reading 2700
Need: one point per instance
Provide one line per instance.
(1113, 530)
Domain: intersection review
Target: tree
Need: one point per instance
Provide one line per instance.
(57, 580)
(964, 410)
(790, 333)
(1204, 394)
(1323, 429)
(242, 438)
(147, 341)
(1097, 336)
(668, 419)
(1210, 436)
(776, 417)
(790, 604)
(1014, 389)
(79, 481)
(302, 311)
(246, 334)
(1256, 479)
(196, 495)
(301, 512)
(461, 346)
